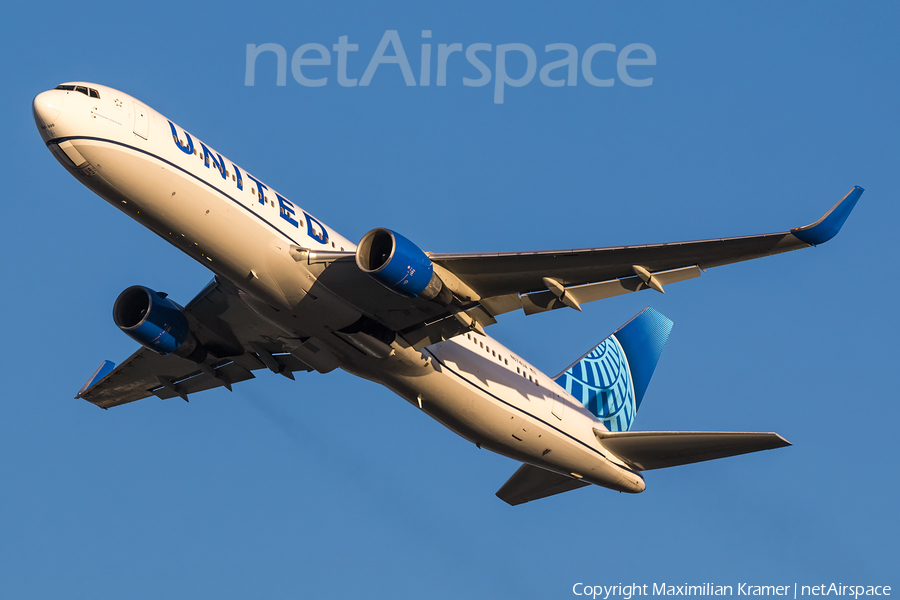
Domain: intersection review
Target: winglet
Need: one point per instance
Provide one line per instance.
(828, 226)
(101, 372)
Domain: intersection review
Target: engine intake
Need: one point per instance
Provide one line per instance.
(156, 323)
(400, 266)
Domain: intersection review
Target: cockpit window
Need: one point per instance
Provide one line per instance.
(80, 88)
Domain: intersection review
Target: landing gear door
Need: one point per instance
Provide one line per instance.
(141, 120)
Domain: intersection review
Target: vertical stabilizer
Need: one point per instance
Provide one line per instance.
(611, 379)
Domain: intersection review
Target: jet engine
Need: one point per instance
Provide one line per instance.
(156, 323)
(400, 266)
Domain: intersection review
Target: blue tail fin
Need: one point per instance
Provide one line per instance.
(611, 379)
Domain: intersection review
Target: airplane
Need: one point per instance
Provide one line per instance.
(291, 295)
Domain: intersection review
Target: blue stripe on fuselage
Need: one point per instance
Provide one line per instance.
(182, 169)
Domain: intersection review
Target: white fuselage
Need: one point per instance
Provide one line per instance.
(241, 229)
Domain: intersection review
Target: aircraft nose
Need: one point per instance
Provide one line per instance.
(47, 107)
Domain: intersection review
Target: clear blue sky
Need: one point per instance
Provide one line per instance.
(760, 116)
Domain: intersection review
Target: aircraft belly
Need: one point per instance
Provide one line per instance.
(484, 420)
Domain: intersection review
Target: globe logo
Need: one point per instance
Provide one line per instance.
(602, 382)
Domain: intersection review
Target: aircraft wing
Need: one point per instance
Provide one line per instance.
(489, 284)
(508, 281)
(226, 327)
(485, 285)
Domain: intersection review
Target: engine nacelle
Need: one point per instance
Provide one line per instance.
(156, 323)
(400, 266)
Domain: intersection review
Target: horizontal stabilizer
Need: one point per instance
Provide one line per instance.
(647, 450)
(533, 483)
